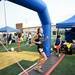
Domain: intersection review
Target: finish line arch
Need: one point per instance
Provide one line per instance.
(40, 7)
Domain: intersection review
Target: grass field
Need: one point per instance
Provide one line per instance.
(8, 61)
(27, 57)
(66, 67)
(22, 47)
(15, 69)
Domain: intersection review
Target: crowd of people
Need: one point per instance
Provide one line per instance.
(12, 38)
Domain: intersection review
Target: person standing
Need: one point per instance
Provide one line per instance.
(57, 45)
(19, 41)
(69, 47)
(29, 38)
(10, 39)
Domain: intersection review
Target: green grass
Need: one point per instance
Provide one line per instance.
(14, 45)
(66, 67)
(23, 47)
(15, 69)
(28, 48)
(52, 41)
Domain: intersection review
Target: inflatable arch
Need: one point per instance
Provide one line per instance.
(40, 7)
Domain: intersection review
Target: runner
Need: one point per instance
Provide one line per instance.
(39, 42)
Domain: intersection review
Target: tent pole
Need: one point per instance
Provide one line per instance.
(5, 20)
(57, 31)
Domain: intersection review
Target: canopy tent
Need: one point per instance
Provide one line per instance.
(69, 23)
(8, 29)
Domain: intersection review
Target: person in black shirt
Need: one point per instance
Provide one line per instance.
(39, 42)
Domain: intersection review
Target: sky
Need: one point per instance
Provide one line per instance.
(59, 10)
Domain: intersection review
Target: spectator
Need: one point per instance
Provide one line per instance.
(29, 38)
(57, 45)
(19, 41)
(69, 47)
(10, 39)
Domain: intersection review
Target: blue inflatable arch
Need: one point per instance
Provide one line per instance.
(40, 7)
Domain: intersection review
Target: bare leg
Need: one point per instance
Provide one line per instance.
(41, 61)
